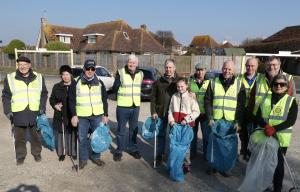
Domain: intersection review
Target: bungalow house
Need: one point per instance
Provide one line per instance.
(109, 37)
(287, 39)
(206, 45)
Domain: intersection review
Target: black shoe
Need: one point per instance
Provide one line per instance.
(20, 161)
(211, 171)
(159, 160)
(61, 158)
(82, 164)
(226, 174)
(246, 158)
(135, 154)
(38, 158)
(98, 162)
(117, 157)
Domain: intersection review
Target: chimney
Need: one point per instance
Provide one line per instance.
(144, 26)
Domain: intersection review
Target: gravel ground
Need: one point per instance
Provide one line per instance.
(128, 175)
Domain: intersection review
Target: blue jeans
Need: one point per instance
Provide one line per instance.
(86, 124)
(130, 115)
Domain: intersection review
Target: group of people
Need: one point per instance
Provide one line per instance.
(245, 101)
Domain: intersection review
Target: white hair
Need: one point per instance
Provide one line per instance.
(133, 57)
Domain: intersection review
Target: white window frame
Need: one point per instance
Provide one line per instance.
(92, 39)
(125, 34)
(65, 39)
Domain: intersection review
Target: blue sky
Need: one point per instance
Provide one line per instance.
(231, 20)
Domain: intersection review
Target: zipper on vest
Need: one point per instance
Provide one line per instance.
(90, 98)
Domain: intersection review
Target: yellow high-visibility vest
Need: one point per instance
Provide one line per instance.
(88, 100)
(278, 114)
(200, 92)
(23, 94)
(225, 103)
(129, 92)
(263, 89)
(248, 88)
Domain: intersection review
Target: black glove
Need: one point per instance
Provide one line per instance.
(10, 116)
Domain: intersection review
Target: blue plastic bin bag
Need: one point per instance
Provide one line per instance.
(101, 139)
(181, 137)
(222, 146)
(47, 136)
(149, 127)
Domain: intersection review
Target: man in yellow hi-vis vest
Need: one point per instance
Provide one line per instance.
(248, 79)
(224, 101)
(24, 97)
(88, 107)
(198, 85)
(127, 86)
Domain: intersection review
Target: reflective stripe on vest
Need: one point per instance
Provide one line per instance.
(23, 94)
(129, 92)
(88, 100)
(278, 114)
(200, 92)
(263, 90)
(225, 103)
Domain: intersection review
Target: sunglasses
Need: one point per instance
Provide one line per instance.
(90, 69)
(275, 84)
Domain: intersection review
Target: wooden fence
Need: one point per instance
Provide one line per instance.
(184, 64)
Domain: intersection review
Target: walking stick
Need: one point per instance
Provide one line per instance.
(76, 166)
(13, 138)
(63, 133)
(154, 156)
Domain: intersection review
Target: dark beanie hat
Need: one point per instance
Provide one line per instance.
(65, 68)
(24, 59)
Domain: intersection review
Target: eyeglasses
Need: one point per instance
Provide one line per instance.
(90, 69)
(275, 84)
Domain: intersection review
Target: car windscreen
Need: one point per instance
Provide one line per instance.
(148, 75)
(102, 72)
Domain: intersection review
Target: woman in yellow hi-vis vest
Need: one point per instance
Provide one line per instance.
(128, 88)
(277, 114)
(24, 97)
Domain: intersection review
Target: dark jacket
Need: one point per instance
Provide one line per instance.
(291, 118)
(162, 91)
(241, 99)
(60, 95)
(72, 94)
(117, 82)
(26, 117)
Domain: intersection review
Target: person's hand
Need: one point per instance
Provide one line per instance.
(171, 123)
(58, 106)
(154, 116)
(74, 121)
(104, 119)
(269, 130)
(183, 122)
(237, 127)
(211, 122)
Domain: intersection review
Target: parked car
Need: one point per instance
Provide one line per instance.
(102, 73)
(211, 74)
(150, 76)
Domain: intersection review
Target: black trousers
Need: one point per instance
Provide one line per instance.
(68, 144)
(20, 141)
(279, 171)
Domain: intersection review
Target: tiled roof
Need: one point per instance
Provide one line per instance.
(288, 33)
(203, 41)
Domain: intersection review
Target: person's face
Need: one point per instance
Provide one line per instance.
(24, 67)
(132, 64)
(279, 86)
(89, 72)
(181, 87)
(170, 69)
(200, 73)
(228, 70)
(251, 67)
(273, 67)
(66, 77)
